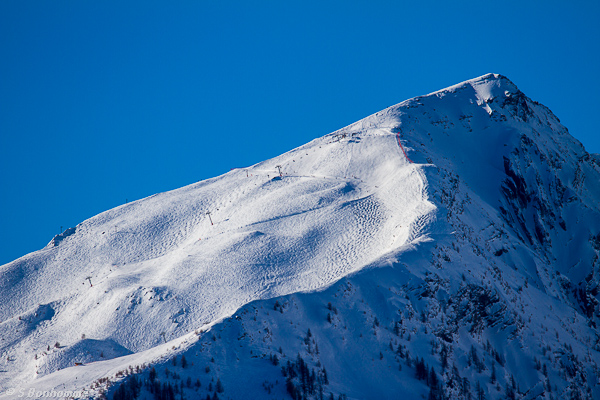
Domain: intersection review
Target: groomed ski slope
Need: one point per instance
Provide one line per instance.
(513, 195)
(155, 269)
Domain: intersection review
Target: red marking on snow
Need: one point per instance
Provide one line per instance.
(402, 147)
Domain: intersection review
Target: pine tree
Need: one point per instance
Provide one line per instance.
(444, 356)
(122, 394)
(307, 337)
(421, 369)
(435, 390)
(433, 379)
(291, 389)
(325, 378)
(465, 388)
(219, 386)
(134, 386)
(479, 392)
(455, 374)
(509, 392)
(475, 360)
(155, 389)
(399, 351)
(397, 328)
(167, 392)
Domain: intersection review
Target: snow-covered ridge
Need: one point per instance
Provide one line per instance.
(155, 269)
(496, 196)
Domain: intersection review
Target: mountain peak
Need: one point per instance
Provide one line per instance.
(442, 221)
(488, 86)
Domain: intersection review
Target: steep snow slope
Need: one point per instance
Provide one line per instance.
(155, 269)
(502, 302)
(483, 255)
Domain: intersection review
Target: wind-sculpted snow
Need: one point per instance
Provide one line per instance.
(157, 268)
(458, 230)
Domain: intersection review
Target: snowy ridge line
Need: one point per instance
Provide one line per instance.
(330, 213)
(380, 121)
(377, 258)
(349, 131)
(263, 172)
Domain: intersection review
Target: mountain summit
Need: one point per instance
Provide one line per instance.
(447, 246)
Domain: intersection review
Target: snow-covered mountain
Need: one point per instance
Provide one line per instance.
(444, 247)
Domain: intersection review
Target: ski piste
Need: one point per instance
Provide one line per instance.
(480, 252)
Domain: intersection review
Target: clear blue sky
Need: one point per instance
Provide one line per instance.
(105, 101)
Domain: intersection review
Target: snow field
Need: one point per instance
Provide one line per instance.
(160, 269)
(486, 244)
